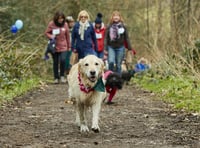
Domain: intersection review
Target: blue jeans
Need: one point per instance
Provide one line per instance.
(115, 57)
(100, 54)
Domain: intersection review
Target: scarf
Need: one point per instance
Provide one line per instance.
(114, 31)
(84, 88)
(82, 28)
(98, 87)
(59, 24)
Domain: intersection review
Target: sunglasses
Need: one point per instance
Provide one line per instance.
(83, 17)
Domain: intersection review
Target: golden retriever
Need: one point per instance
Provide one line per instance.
(82, 78)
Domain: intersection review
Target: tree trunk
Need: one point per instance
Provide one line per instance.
(174, 31)
(188, 19)
(159, 23)
(147, 21)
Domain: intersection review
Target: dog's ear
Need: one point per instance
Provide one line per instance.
(79, 64)
(102, 65)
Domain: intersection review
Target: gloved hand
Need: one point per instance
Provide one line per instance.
(52, 41)
(74, 50)
(133, 51)
(46, 57)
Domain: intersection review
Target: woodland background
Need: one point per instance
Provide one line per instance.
(166, 32)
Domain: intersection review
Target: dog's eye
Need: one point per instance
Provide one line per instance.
(96, 64)
(86, 64)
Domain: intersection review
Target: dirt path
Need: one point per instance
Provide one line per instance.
(42, 119)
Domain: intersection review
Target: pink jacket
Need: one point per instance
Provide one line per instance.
(62, 39)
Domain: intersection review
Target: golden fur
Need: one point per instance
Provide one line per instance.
(90, 69)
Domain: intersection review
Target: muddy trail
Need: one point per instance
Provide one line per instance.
(43, 118)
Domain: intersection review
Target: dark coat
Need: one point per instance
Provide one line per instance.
(123, 39)
(86, 46)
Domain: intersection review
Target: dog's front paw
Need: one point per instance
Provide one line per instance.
(84, 128)
(96, 128)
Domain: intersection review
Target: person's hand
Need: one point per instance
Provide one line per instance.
(74, 50)
(53, 37)
(105, 52)
(133, 51)
(52, 41)
(46, 57)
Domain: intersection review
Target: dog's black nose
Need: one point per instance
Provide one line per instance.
(92, 73)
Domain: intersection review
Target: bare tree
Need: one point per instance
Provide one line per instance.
(158, 39)
(174, 31)
(147, 21)
(188, 19)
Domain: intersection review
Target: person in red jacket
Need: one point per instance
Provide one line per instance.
(58, 30)
(100, 29)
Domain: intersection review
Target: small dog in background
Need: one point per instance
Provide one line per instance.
(127, 75)
(113, 82)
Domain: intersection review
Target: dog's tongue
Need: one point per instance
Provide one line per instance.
(93, 79)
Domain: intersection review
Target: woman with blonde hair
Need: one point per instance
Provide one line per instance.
(83, 36)
(115, 39)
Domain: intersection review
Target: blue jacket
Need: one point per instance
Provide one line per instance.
(141, 67)
(86, 46)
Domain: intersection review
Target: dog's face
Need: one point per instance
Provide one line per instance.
(114, 80)
(91, 67)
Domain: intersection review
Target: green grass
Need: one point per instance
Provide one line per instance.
(183, 92)
(18, 89)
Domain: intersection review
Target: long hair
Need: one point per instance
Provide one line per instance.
(83, 13)
(57, 15)
(116, 13)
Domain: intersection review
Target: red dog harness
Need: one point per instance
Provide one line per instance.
(110, 90)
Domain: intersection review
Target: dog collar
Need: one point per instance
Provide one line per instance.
(82, 87)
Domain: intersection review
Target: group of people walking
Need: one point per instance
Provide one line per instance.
(84, 37)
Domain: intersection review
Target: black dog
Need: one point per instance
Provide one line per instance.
(112, 84)
(127, 75)
(114, 80)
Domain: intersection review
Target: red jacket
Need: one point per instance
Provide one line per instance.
(62, 39)
(100, 36)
